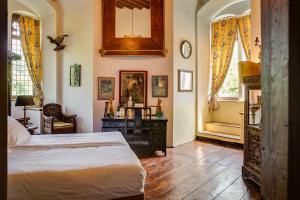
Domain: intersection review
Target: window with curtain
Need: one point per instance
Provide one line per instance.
(231, 88)
(21, 80)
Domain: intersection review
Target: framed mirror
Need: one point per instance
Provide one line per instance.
(133, 28)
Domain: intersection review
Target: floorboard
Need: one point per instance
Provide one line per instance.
(198, 171)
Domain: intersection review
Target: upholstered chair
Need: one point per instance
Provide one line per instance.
(55, 122)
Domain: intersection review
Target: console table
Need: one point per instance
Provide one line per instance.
(159, 131)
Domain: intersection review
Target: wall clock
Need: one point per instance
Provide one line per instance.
(186, 49)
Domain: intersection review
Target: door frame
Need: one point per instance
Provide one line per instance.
(294, 101)
(3, 99)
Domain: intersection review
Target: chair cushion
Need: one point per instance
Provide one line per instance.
(62, 125)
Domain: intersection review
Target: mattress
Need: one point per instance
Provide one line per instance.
(72, 140)
(90, 173)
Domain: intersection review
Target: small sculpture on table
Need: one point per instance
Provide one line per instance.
(106, 109)
(159, 112)
(111, 109)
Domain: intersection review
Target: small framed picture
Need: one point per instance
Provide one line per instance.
(106, 88)
(75, 75)
(185, 81)
(159, 86)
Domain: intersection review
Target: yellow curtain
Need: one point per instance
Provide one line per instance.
(223, 37)
(244, 24)
(30, 40)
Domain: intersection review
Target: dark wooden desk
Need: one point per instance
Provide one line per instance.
(159, 131)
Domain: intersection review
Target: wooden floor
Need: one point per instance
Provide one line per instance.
(199, 171)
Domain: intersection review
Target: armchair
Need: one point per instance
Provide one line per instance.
(55, 122)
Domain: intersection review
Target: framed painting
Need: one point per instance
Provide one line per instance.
(134, 84)
(185, 81)
(159, 86)
(75, 75)
(133, 28)
(106, 88)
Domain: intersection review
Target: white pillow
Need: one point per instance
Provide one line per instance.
(17, 133)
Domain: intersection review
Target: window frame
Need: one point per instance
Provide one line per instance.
(15, 18)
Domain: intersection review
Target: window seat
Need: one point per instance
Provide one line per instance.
(223, 131)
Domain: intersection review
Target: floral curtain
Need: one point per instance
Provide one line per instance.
(244, 24)
(223, 37)
(30, 40)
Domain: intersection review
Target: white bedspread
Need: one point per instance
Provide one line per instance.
(72, 140)
(91, 173)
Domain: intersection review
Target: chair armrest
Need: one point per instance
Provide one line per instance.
(48, 121)
(69, 118)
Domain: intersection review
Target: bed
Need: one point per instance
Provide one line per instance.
(71, 140)
(73, 167)
(106, 172)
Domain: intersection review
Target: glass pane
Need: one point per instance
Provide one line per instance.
(254, 107)
(230, 87)
(21, 81)
(133, 19)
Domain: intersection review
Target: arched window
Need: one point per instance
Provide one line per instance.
(21, 80)
(232, 89)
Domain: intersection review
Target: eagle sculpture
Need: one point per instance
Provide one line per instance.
(58, 42)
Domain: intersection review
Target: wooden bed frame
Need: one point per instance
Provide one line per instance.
(138, 197)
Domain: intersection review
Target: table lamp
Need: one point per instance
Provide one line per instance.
(24, 100)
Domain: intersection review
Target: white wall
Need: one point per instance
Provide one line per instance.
(49, 58)
(110, 67)
(229, 112)
(203, 70)
(184, 104)
(256, 28)
(78, 23)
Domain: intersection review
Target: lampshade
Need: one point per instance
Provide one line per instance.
(24, 100)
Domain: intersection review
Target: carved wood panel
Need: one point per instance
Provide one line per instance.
(252, 139)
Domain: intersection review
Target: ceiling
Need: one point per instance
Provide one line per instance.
(131, 4)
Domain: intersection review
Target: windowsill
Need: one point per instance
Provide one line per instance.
(231, 99)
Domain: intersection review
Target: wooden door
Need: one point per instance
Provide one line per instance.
(281, 99)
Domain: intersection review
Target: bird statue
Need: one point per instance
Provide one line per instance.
(58, 42)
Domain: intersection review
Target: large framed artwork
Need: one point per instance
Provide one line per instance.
(159, 86)
(106, 88)
(75, 75)
(134, 84)
(185, 81)
(133, 28)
